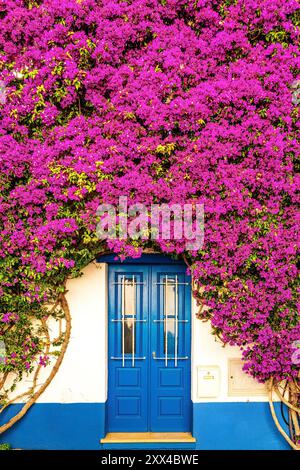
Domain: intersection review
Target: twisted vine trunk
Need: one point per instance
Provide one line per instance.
(34, 395)
(289, 394)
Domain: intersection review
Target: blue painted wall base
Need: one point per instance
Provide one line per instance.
(77, 426)
(236, 426)
(54, 426)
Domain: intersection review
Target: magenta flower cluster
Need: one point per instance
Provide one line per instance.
(171, 101)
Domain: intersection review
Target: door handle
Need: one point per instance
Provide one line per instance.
(154, 354)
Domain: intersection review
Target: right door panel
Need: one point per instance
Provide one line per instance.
(171, 348)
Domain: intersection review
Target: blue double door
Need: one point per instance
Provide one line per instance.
(149, 348)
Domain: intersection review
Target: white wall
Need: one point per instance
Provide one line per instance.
(207, 350)
(82, 377)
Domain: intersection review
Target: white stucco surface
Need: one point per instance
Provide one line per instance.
(82, 376)
(208, 351)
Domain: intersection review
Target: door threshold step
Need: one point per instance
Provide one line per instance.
(136, 437)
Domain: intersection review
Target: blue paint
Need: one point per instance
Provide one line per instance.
(236, 426)
(79, 426)
(127, 407)
(49, 426)
(170, 384)
(149, 394)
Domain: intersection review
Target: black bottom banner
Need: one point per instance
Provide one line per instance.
(135, 459)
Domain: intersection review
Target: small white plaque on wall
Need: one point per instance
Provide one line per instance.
(208, 381)
(240, 383)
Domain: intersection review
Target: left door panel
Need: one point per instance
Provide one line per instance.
(128, 348)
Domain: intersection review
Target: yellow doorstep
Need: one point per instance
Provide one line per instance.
(129, 437)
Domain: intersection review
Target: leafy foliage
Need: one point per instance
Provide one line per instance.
(5, 447)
